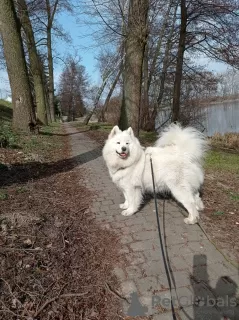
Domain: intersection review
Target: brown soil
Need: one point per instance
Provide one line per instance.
(55, 261)
(220, 217)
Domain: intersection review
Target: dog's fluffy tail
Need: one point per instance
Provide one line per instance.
(189, 141)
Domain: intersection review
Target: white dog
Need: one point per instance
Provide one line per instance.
(176, 157)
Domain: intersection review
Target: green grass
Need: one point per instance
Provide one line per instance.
(147, 137)
(222, 161)
(5, 111)
(29, 143)
(7, 137)
(234, 196)
(3, 195)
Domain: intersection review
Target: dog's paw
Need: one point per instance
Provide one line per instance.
(123, 206)
(127, 212)
(191, 221)
(200, 206)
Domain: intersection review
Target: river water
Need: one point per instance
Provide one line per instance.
(221, 117)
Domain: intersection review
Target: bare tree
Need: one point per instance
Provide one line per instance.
(135, 42)
(35, 66)
(209, 28)
(23, 110)
(43, 16)
(179, 65)
(73, 83)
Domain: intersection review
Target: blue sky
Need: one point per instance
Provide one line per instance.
(83, 42)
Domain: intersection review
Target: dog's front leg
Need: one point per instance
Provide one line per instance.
(134, 198)
(124, 205)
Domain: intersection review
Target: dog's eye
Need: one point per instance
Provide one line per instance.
(118, 142)
(127, 142)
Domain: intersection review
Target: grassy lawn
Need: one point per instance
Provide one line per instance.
(26, 143)
(222, 161)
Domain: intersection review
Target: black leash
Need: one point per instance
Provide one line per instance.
(161, 242)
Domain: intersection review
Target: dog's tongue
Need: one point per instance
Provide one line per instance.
(123, 155)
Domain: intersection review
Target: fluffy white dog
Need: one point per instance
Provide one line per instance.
(177, 163)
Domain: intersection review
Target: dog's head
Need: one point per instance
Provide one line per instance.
(122, 148)
(122, 141)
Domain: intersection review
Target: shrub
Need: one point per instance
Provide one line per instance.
(227, 140)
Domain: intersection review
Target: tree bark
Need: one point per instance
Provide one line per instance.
(51, 75)
(23, 109)
(179, 65)
(97, 98)
(150, 124)
(34, 63)
(144, 114)
(134, 52)
(107, 100)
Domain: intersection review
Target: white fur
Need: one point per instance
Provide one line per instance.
(177, 159)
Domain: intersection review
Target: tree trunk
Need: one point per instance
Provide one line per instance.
(179, 66)
(97, 98)
(107, 100)
(150, 124)
(23, 109)
(159, 43)
(144, 114)
(51, 75)
(134, 53)
(34, 63)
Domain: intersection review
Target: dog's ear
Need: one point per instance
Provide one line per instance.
(114, 131)
(130, 131)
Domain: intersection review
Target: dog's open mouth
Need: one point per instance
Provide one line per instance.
(122, 155)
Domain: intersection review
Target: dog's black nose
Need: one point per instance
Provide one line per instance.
(123, 148)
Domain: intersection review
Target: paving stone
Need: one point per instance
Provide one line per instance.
(127, 288)
(202, 313)
(135, 271)
(182, 278)
(150, 226)
(148, 285)
(179, 250)
(104, 208)
(153, 268)
(135, 258)
(172, 239)
(118, 225)
(126, 239)
(182, 297)
(223, 268)
(145, 235)
(135, 221)
(120, 274)
(163, 316)
(144, 245)
(151, 218)
(153, 255)
(114, 206)
(124, 249)
(179, 264)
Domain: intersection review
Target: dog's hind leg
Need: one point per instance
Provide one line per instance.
(185, 196)
(198, 201)
(124, 205)
(134, 197)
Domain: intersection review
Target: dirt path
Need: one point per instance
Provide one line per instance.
(198, 270)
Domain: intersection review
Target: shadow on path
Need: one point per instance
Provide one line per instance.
(43, 133)
(209, 303)
(21, 173)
